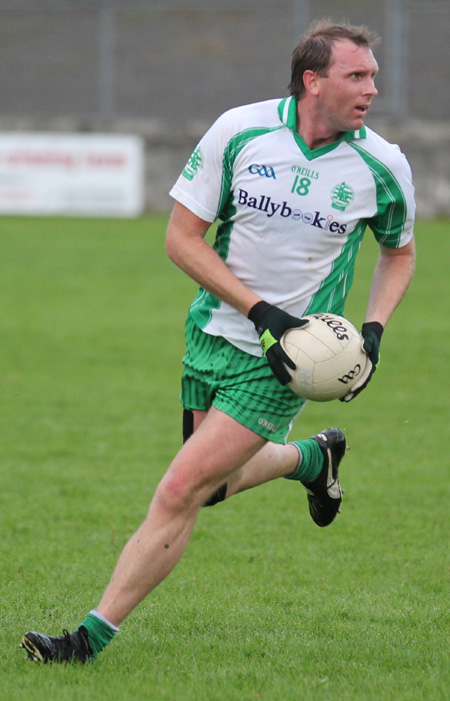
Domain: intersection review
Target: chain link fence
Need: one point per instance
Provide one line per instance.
(179, 61)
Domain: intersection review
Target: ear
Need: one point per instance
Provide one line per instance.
(311, 82)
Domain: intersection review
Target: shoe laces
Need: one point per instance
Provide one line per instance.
(75, 642)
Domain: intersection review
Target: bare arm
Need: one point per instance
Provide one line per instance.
(187, 248)
(392, 276)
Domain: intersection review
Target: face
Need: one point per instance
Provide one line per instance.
(345, 95)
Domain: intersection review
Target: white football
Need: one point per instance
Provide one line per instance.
(328, 355)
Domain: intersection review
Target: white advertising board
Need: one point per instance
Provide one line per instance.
(71, 174)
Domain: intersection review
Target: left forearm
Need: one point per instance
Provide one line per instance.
(392, 276)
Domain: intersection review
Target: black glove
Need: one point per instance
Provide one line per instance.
(371, 333)
(271, 323)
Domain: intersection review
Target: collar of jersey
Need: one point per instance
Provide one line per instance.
(287, 110)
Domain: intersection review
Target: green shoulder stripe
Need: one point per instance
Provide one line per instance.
(232, 150)
(389, 221)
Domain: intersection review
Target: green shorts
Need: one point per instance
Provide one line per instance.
(218, 374)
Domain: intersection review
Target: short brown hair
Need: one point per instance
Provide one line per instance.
(314, 51)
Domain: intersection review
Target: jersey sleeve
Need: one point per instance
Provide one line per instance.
(393, 222)
(201, 185)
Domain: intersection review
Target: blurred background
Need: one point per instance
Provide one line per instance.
(161, 72)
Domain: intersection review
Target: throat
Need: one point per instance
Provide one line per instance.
(315, 137)
(315, 141)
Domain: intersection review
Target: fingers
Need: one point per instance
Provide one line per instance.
(278, 359)
(361, 383)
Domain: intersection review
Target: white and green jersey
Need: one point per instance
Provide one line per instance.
(292, 218)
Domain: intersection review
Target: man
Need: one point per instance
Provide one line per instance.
(294, 182)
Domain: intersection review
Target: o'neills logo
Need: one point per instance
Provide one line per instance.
(268, 425)
(265, 204)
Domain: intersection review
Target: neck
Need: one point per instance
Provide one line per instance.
(314, 132)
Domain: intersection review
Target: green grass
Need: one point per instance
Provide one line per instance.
(264, 605)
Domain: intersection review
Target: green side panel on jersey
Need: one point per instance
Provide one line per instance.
(204, 303)
(333, 291)
(389, 221)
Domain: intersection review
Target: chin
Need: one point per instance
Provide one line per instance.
(356, 125)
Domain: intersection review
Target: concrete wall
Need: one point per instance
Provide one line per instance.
(425, 144)
(427, 147)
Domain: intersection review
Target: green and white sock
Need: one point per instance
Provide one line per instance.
(310, 461)
(100, 631)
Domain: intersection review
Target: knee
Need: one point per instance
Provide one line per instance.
(176, 493)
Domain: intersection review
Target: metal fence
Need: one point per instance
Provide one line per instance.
(180, 61)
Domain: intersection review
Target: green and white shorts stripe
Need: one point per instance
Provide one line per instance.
(218, 374)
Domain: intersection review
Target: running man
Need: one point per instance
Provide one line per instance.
(294, 182)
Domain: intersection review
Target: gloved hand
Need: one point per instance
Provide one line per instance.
(271, 323)
(371, 333)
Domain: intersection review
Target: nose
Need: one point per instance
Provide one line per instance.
(370, 87)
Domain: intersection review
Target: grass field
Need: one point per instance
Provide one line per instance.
(264, 605)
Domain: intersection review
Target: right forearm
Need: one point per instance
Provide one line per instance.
(187, 248)
(204, 265)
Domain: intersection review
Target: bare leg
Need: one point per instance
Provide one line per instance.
(272, 461)
(218, 448)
